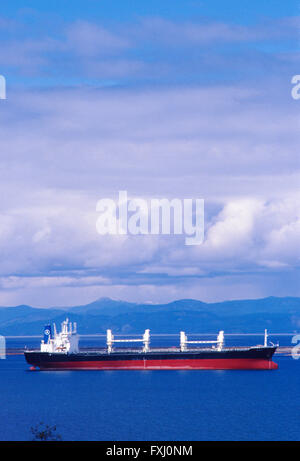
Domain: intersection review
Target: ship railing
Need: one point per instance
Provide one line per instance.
(110, 340)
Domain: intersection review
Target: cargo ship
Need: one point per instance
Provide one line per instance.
(60, 351)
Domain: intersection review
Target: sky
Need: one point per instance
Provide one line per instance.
(162, 99)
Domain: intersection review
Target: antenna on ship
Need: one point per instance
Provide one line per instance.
(266, 338)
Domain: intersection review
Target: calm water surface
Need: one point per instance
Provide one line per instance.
(152, 405)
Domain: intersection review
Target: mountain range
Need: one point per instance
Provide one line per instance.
(278, 315)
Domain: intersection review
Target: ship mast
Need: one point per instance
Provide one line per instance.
(266, 338)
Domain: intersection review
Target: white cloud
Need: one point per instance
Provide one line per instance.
(63, 150)
(59, 247)
(90, 40)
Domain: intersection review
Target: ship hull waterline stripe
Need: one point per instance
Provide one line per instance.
(172, 364)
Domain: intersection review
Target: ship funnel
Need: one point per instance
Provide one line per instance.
(47, 334)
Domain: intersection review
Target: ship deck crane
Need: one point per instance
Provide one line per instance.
(184, 341)
(110, 339)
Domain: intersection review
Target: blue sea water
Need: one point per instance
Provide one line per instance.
(151, 405)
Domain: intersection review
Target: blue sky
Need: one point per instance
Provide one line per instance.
(231, 10)
(162, 99)
(145, 43)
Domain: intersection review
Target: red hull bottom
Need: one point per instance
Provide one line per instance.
(175, 364)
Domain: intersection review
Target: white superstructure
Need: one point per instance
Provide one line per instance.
(65, 341)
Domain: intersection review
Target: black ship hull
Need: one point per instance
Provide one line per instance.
(203, 359)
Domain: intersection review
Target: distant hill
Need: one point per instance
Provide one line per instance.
(190, 315)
